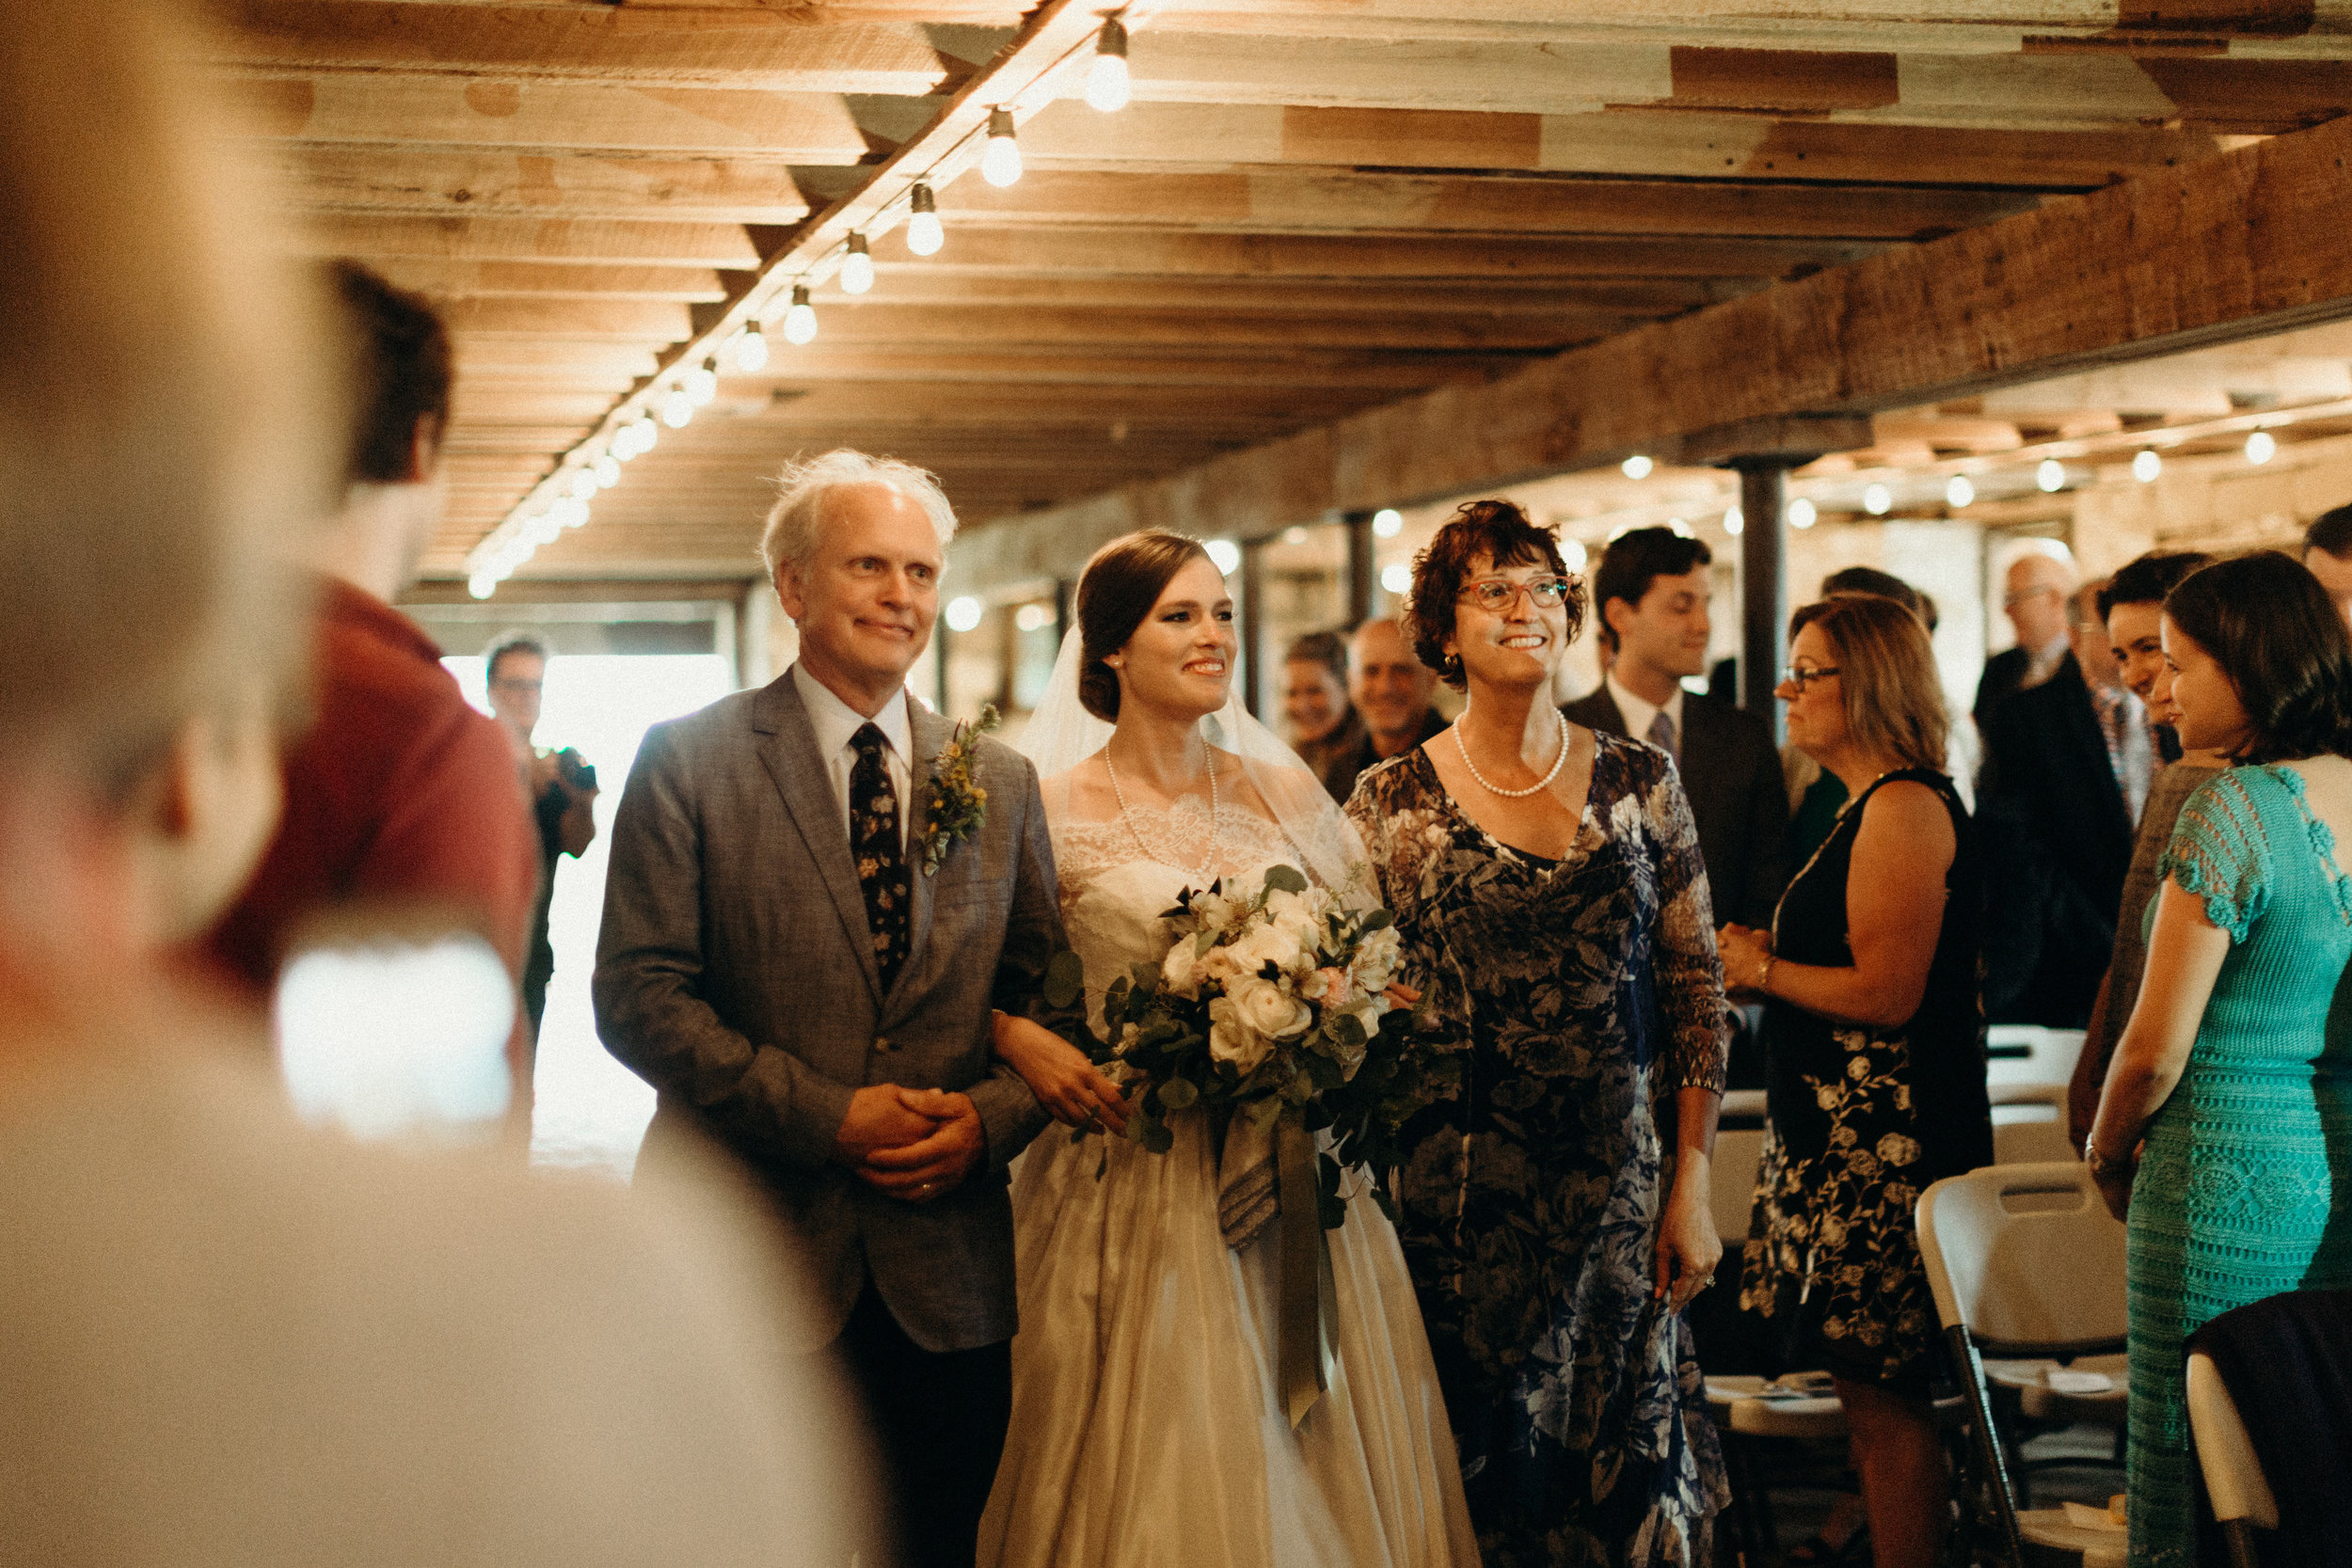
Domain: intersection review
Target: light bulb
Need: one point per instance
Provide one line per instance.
(1397, 578)
(608, 470)
(647, 433)
(676, 408)
(1388, 522)
(924, 233)
(2261, 446)
(1226, 554)
(1877, 500)
(1636, 467)
(1572, 554)
(545, 527)
(1107, 87)
(2050, 474)
(800, 322)
(750, 349)
(1801, 513)
(482, 585)
(570, 513)
(1000, 165)
(1959, 492)
(1033, 617)
(1677, 527)
(2146, 466)
(963, 613)
(857, 267)
(1734, 520)
(584, 483)
(702, 383)
(624, 445)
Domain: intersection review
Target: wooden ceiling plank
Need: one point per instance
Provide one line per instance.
(1204, 368)
(922, 285)
(757, 48)
(434, 181)
(930, 326)
(645, 321)
(593, 242)
(410, 110)
(442, 279)
(2247, 243)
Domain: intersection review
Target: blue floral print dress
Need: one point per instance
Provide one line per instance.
(1584, 992)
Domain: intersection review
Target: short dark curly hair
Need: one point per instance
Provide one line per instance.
(1633, 560)
(2147, 578)
(2276, 634)
(1498, 530)
(403, 371)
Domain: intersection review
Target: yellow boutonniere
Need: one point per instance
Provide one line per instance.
(958, 804)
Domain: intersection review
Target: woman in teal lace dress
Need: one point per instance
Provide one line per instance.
(2225, 1111)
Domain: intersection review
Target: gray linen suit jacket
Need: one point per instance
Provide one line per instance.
(735, 973)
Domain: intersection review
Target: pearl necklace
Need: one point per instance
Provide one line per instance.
(1145, 844)
(1538, 786)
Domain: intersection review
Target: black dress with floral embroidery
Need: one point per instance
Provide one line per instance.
(1584, 992)
(1862, 1120)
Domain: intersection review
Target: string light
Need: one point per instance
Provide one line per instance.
(1226, 554)
(2050, 475)
(1733, 521)
(1107, 85)
(608, 470)
(676, 408)
(1397, 577)
(482, 585)
(1959, 492)
(2261, 446)
(1877, 500)
(857, 267)
(2146, 466)
(642, 437)
(1388, 523)
(924, 233)
(963, 612)
(702, 383)
(1572, 554)
(1636, 467)
(1801, 514)
(546, 526)
(750, 349)
(1000, 165)
(799, 322)
(571, 511)
(584, 483)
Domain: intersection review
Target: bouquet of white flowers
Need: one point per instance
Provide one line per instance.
(1270, 1001)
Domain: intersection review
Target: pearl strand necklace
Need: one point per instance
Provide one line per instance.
(1145, 844)
(1539, 785)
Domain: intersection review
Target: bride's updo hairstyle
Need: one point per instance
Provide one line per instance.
(1115, 593)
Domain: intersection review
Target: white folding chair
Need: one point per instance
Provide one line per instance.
(2242, 1500)
(2029, 1123)
(2029, 1053)
(2025, 1261)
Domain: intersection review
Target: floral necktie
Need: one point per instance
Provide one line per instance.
(881, 862)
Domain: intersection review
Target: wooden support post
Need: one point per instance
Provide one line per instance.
(1361, 566)
(1763, 584)
(1253, 620)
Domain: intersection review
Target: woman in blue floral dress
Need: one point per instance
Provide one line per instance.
(1553, 1206)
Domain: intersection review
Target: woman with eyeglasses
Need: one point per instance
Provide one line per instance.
(1874, 1045)
(1553, 1209)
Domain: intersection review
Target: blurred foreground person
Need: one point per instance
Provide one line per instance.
(2227, 1117)
(225, 1341)
(402, 801)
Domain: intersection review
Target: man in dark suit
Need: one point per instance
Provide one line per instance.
(2067, 766)
(2034, 597)
(1651, 590)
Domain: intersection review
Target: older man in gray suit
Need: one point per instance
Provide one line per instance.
(780, 960)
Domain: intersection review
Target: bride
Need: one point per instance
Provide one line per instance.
(1146, 1430)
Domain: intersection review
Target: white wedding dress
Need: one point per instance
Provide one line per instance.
(1145, 1428)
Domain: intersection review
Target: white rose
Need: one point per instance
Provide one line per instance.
(1212, 909)
(1272, 945)
(1232, 1040)
(1269, 1009)
(1219, 964)
(1180, 973)
(1300, 913)
(1376, 960)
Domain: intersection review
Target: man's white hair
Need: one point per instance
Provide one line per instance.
(800, 492)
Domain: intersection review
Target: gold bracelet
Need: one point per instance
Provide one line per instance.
(1764, 972)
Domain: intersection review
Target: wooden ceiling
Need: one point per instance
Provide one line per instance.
(1312, 206)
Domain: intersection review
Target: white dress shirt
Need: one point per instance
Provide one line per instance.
(1638, 713)
(836, 724)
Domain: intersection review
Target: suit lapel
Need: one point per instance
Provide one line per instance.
(930, 733)
(787, 749)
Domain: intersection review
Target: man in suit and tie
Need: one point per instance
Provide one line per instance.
(779, 961)
(2067, 768)
(1651, 589)
(2034, 597)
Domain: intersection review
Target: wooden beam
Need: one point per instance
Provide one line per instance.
(1197, 367)
(540, 280)
(918, 283)
(1666, 143)
(514, 239)
(1427, 328)
(519, 356)
(1331, 201)
(627, 320)
(2248, 243)
(564, 184)
(404, 110)
(767, 50)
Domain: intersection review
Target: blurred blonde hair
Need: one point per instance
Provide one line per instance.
(169, 418)
(1887, 683)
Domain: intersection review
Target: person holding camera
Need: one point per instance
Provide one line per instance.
(562, 788)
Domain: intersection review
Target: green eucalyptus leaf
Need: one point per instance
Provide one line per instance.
(1178, 1094)
(1376, 920)
(1157, 1138)
(1065, 979)
(1287, 879)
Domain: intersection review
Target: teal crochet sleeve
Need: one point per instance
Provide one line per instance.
(2220, 854)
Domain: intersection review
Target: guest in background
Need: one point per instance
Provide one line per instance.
(1322, 723)
(1549, 889)
(560, 786)
(1651, 592)
(400, 797)
(1815, 795)
(2067, 767)
(1877, 1059)
(2132, 605)
(2328, 556)
(2034, 599)
(2228, 1109)
(1391, 690)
